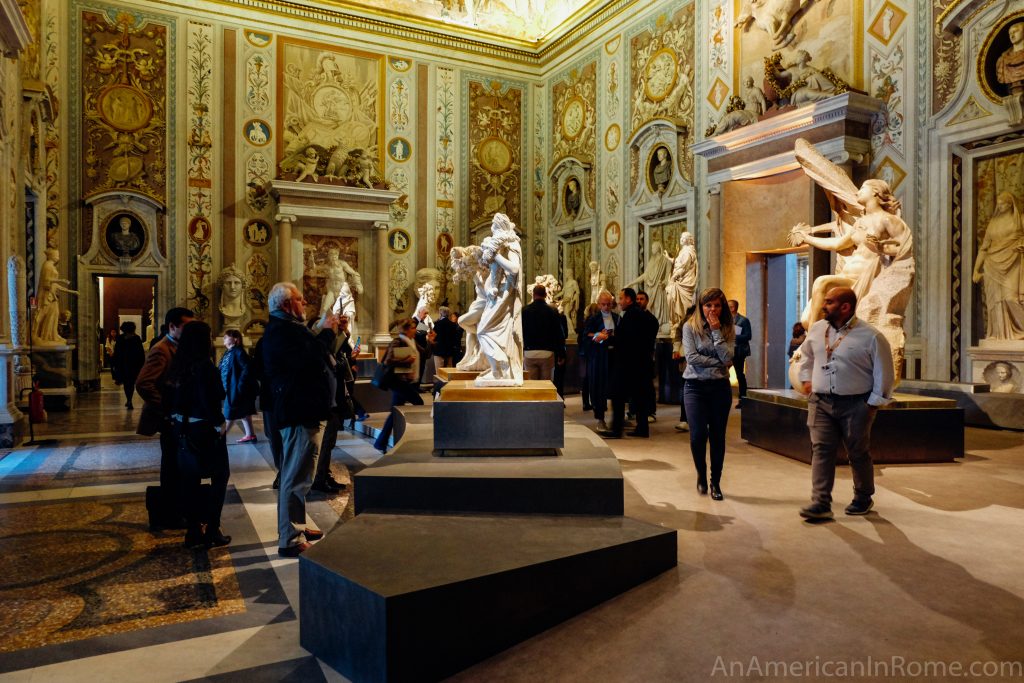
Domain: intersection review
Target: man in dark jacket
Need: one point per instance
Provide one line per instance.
(151, 383)
(294, 365)
(632, 365)
(543, 340)
(742, 351)
(129, 357)
(448, 341)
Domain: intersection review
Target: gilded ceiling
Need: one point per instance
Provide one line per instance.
(521, 21)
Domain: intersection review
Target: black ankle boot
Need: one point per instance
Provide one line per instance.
(702, 486)
(716, 491)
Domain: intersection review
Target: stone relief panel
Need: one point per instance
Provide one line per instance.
(314, 263)
(947, 60)
(52, 78)
(398, 105)
(257, 83)
(199, 94)
(887, 84)
(495, 133)
(444, 163)
(330, 114)
(661, 76)
(574, 114)
(124, 95)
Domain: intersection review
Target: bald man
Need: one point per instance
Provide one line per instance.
(847, 373)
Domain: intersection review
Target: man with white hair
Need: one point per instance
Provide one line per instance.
(294, 363)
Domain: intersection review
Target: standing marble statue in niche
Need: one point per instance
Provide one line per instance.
(343, 283)
(570, 303)
(874, 249)
(598, 281)
(500, 331)
(654, 280)
(1010, 66)
(44, 328)
(998, 269)
(681, 285)
(233, 306)
(467, 266)
(573, 198)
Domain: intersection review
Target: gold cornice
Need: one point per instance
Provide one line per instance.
(477, 43)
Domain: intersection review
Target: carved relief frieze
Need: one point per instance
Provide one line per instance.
(887, 85)
(574, 114)
(199, 166)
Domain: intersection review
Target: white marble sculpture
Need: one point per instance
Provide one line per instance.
(654, 280)
(681, 285)
(553, 290)
(570, 301)
(814, 85)
(598, 281)
(999, 269)
(343, 284)
(429, 292)
(736, 116)
(753, 97)
(1010, 65)
(774, 17)
(232, 296)
(874, 249)
(500, 331)
(44, 329)
(468, 267)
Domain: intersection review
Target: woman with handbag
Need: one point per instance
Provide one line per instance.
(708, 339)
(402, 362)
(194, 395)
(239, 386)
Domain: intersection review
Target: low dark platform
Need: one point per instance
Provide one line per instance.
(911, 429)
(391, 597)
(584, 479)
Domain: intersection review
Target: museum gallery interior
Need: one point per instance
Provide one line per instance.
(511, 509)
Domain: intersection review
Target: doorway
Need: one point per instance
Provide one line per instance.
(777, 290)
(125, 298)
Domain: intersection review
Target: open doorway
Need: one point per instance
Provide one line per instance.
(777, 290)
(124, 298)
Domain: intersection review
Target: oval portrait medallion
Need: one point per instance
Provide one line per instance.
(494, 155)
(573, 116)
(199, 229)
(612, 235)
(612, 137)
(124, 108)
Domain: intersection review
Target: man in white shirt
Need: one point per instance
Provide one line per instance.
(847, 373)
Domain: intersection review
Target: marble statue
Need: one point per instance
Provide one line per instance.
(343, 284)
(44, 330)
(125, 241)
(654, 280)
(467, 266)
(232, 296)
(753, 98)
(551, 287)
(999, 269)
(598, 281)
(814, 85)
(874, 249)
(774, 17)
(570, 301)
(661, 174)
(1010, 65)
(428, 292)
(1001, 379)
(681, 284)
(736, 116)
(500, 331)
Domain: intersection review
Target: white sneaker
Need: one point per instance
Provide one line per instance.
(652, 418)
(602, 426)
(682, 427)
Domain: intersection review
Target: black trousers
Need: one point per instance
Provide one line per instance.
(738, 363)
(207, 457)
(129, 390)
(401, 393)
(639, 386)
(170, 480)
(708, 403)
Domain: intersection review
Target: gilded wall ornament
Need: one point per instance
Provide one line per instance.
(612, 137)
(495, 150)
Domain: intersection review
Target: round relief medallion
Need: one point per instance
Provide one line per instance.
(660, 74)
(199, 229)
(257, 132)
(494, 155)
(399, 241)
(572, 118)
(399, 149)
(257, 232)
(332, 103)
(612, 235)
(612, 137)
(124, 108)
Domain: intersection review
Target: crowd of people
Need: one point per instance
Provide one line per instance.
(303, 372)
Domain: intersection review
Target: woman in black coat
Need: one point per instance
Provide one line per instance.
(239, 386)
(127, 360)
(193, 395)
(600, 332)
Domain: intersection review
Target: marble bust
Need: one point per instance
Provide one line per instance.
(1010, 66)
(232, 299)
(125, 241)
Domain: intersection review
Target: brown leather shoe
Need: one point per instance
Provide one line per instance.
(313, 534)
(294, 550)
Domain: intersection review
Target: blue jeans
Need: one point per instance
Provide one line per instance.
(707, 404)
(401, 393)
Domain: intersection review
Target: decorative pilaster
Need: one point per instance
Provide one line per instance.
(381, 335)
(284, 246)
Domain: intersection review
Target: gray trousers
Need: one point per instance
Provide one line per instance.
(297, 461)
(540, 368)
(832, 419)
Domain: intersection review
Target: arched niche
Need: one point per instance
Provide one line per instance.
(573, 219)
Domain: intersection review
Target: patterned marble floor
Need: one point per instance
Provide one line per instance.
(932, 574)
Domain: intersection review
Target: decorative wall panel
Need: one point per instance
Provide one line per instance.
(52, 77)
(199, 167)
(947, 60)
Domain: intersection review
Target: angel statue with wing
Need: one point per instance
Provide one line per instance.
(874, 249)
